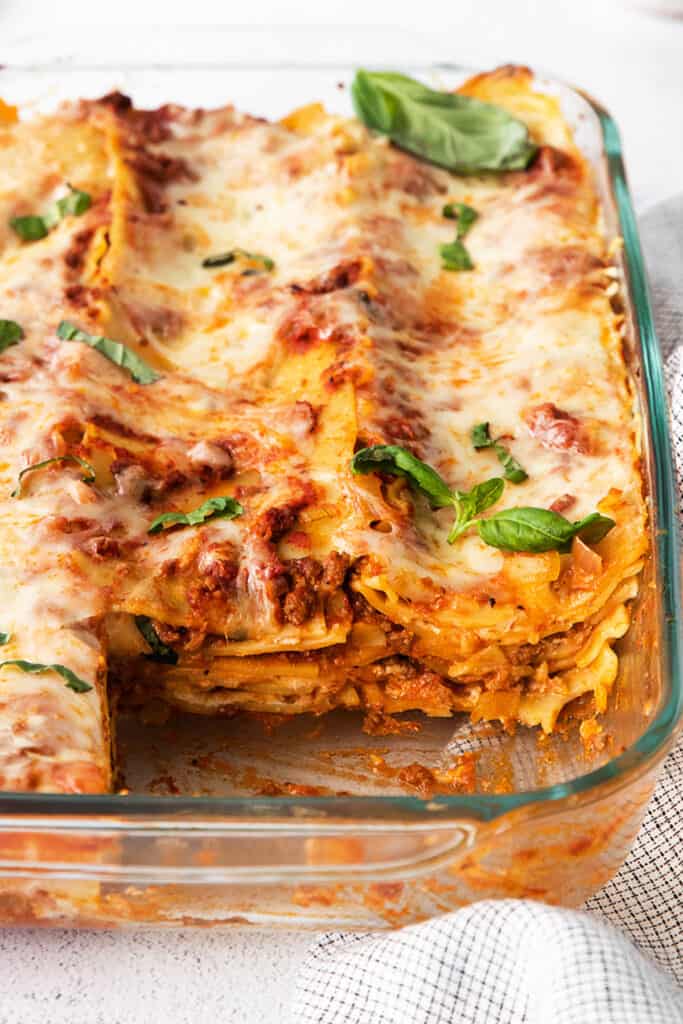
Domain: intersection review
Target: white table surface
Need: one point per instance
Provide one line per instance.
(633, 62)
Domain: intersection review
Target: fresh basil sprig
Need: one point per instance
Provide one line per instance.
(397, 461)
(160, 651)
(117, 353)
(539, 529)
(34, 227)
(512, 529)
(73, 681)
(30, 228)
(88, 470)
(10, 334)
(5, 638)
(224, 258)
(512, 469)
(454, 131)
(213, 508)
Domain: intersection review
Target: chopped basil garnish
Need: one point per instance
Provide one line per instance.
(480, 436)
(113, 350)
(397, 461)
(30, 228)
(10, 334)
(221, 260)
(33, 227)
(214, 508)
(539, 529)
(160, 651)
(462, 213)
(454, 255)
(512, 470)
(73, 681)
(457, 132)
(513, 529)
(88, 471)
(224, 258)
(74, 204)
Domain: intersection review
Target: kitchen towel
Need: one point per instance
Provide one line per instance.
(617, 961)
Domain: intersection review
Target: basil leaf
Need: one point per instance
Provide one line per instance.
(117, 353)
(484, 495)
(5, 638)
(214, 508)
(73, 681)
(512, 469)
(457, 132)
(539, 529)
(160, 651)
(454, 256)
(480, 436)
(462, 213)
(88, 474)
(10, 334)
(223, 259)
(526, 529)
(397, 461)
(32, 227)
(591, 529)
(471, 503)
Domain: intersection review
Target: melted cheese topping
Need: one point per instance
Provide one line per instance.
(270, 379)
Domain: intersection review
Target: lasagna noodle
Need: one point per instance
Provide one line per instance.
(330, 589)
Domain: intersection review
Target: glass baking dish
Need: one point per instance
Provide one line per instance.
(224, 829)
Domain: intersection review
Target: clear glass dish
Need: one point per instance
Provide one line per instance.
(546, 819)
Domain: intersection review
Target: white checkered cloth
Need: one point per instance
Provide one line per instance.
(520, 962)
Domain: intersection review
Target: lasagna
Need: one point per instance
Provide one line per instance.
(291, 417)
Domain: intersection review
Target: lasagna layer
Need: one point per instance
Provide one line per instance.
(323, 323)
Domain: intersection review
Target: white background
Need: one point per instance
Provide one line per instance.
(632, 62)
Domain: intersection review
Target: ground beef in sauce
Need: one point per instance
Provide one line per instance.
(308, 578)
